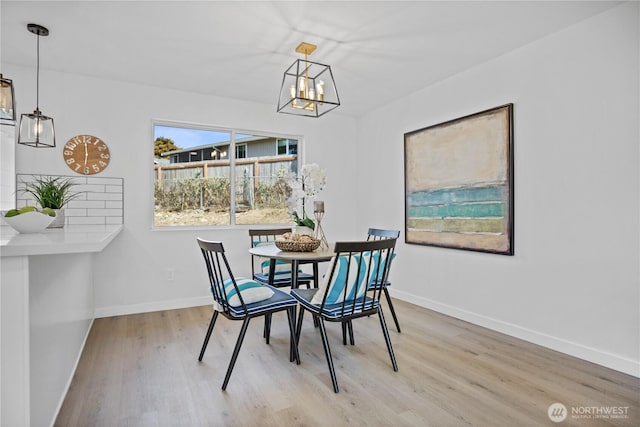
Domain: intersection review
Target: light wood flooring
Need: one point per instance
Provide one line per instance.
(142, 370)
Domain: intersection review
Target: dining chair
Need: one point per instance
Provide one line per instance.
(260, 267)
(237, 298)
(344, 294)
(375, 234)
(378, 234)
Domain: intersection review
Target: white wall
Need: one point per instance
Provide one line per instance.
(131, 274)
(573, 283)
(7, 167)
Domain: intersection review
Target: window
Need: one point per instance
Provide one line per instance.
(211, 176)
(241, 151)
(287, 147)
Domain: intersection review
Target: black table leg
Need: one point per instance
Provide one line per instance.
(294, 274)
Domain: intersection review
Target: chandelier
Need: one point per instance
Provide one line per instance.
(308, 88)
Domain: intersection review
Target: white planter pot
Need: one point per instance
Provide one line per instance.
(58, 222)
(301, 229)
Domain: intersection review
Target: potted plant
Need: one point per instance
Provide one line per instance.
(52, 192)
(307, 185)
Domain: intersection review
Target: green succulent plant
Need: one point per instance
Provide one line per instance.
(51, 192)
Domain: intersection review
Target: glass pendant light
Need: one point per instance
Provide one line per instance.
(7, 102)
(36, 130)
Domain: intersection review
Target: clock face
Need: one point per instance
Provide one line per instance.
(86, 154)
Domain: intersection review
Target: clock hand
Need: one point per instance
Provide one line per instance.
(86, 157)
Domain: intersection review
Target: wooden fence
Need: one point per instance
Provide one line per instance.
(255, 167)
(250, 174)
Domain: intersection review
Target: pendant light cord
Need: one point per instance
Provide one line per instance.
(38, 75)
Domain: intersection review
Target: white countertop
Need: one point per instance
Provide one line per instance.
(67, 240)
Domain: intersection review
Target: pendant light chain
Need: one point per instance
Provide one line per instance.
(38, 73)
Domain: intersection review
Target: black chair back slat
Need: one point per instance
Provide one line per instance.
(379, 234)
(215, 258)
(268, 234)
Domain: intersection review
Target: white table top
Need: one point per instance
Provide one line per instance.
(271, 251)
(70, 239)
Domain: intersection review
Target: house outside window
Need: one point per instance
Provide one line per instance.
(219, 177)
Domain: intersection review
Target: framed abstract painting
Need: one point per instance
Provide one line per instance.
(459, 183)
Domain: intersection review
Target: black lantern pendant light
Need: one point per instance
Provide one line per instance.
(36, 130)
(7, 102)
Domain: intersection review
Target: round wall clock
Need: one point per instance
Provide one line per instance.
(86, 154)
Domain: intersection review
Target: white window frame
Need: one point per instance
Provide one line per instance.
(232, 165)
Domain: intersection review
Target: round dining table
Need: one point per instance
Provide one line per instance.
(295, 258)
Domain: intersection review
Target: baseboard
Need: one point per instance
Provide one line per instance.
(612, 361)
(121, 310)
(73, 372)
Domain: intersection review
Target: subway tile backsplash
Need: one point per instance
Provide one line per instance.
(100, 200)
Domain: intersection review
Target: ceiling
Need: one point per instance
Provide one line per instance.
(378, 51)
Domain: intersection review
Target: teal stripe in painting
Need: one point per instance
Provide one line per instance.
(489, 193)
(467, 210)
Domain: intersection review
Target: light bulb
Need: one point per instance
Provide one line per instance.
(292, 91)
(37, 127)
(320, 89)
(4, 101)
(301, 87)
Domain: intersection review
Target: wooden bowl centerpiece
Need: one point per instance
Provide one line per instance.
(291, 242)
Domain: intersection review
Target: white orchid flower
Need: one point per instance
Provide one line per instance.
(308, 184)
